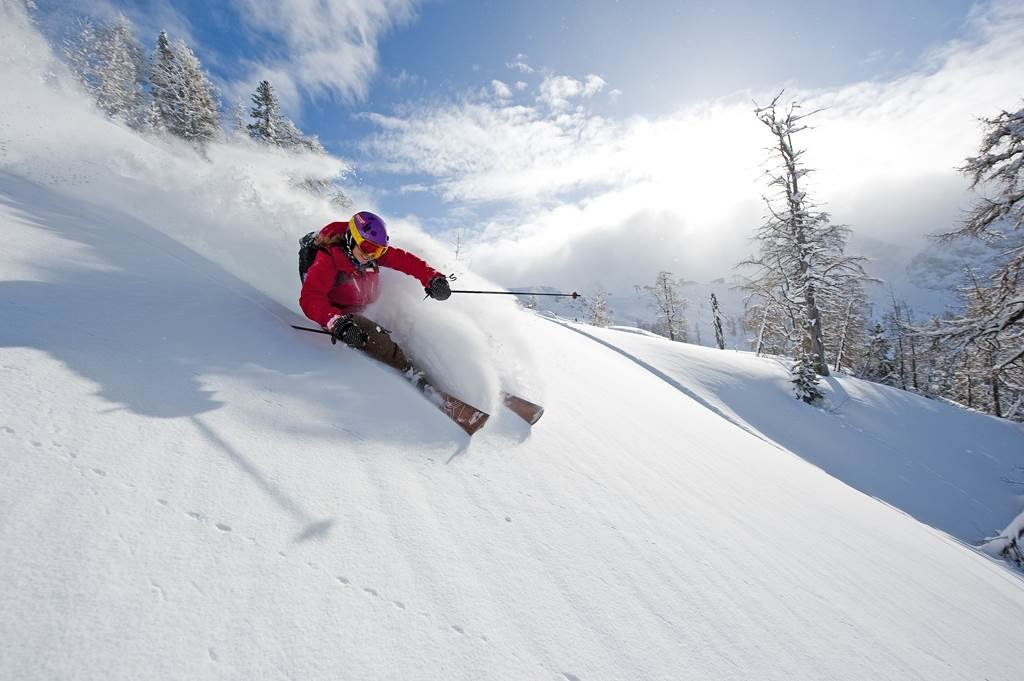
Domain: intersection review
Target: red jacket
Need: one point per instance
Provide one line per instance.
(335, 284)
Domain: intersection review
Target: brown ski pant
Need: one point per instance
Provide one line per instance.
(379, 344)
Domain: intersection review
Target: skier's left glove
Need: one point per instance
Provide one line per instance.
(438, 288)
(343, 329)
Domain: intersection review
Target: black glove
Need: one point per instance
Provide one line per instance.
(348, 332)
(438, 288)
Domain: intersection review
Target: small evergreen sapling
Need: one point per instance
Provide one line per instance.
(805, 380)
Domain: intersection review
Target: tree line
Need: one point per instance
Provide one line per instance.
(806, 298)
(168, 92)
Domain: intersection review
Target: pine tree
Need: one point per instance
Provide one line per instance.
(805, 379)
(266, 115)
(269, 126)
(121, 73)
(717, 314)
(238, 125)
(801, 269)
(110, 64)
(936, 365)
(82, 54)
(186, 103)
(877, 364)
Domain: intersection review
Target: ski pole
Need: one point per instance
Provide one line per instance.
(573, 295)
(306, 328)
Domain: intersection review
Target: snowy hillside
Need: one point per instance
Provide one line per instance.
(945, 466)
(193, 490)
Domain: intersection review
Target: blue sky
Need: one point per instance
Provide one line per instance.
(660, 54)
(559, 122)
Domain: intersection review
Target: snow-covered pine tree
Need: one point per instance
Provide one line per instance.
(121, 73)
(293, 138)
(877, 364)
(903, 338)
(717, 315)
(110, 63)
(805, 379)
(265, 114)
(992, 322)
(977, 360)
(598, 312)
(165, 86)
(935, 361)
(270, 126)
(185, 101)
(801, 261)
(81, 54)
(239, 128)
(669, 306)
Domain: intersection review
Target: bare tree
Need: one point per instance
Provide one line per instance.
(850, 339)
(801, 263)
(599, 314)
(990, 328)
(669, 306)
(717, 314)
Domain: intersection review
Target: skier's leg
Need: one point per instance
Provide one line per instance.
(379, 344)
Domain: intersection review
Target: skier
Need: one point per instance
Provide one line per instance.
(344, 279)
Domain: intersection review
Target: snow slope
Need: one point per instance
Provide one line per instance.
(944, 465)
(193, 490)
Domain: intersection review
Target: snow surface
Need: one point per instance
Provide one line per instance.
(945, 465)
(193, 490)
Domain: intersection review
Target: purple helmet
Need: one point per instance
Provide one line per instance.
(369, 227)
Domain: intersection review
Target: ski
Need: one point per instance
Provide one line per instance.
(524, 409)
(465, 415)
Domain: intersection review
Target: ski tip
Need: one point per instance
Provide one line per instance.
(524, 409)
(474, 423)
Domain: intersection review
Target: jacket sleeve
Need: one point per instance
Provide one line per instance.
(407, 263)
(319, 280)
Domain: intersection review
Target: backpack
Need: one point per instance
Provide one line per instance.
(307, 254)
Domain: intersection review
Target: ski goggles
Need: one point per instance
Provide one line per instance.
(365, 246)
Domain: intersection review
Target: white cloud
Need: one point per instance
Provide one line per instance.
(582, 191)
(557, 91)
(501, 90)
(321, 47)
(520, 64)
(593, 85)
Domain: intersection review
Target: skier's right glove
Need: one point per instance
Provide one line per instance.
(343, 329)
(438, 288)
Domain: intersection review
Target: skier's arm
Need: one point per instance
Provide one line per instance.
(403, 261)
(318, 283)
